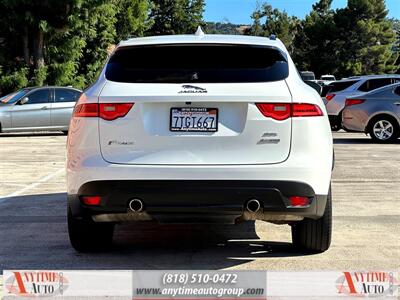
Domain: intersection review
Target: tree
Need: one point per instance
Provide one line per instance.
(316, 42)
(323, 8)
(62, 42)
(132, 18)
(176, 16)
(365, 39)
(268, 21)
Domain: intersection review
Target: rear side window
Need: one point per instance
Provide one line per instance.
(374, 84)
(396, 80)
(397, 91)
(40, 96)
(64, 95)
(340, 86)
(205, 63)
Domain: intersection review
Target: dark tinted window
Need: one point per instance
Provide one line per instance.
(40, 96)
(339, 86)
(307, 75)
(197, 63)
(395, 80)
(397, 90)
(373, 84)
(62, 95)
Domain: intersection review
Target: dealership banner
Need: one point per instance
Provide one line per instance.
(198, 285)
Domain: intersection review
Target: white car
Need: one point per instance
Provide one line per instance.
(339, 91)
(199, 129)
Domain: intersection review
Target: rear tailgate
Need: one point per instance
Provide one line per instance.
(177, 88)
(244, 135)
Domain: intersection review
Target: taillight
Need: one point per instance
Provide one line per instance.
(282, 111)
(277, 111)
(106, 111)
(86, 110)
(306, 110)
(329, 97)
(350, 102)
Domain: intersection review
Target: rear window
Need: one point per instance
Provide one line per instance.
(340, 86)
(205, 63)
(374, 84)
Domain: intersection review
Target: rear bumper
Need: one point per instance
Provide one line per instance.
(355, 120)
(197, 201)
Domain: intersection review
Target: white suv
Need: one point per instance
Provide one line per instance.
(199, 128)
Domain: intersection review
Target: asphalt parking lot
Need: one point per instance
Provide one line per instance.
(33, 230)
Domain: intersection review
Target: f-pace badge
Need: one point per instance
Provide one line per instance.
(192, 89)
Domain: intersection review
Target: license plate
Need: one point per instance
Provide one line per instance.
(190, 119)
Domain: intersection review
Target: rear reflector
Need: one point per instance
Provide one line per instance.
(329, 97)
(91, 200)
(106, 111)
(350, 102)
(298, 201)
(282, 111)
(112, 111)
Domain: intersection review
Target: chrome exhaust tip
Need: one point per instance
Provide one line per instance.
(136, 205)
(253, 205)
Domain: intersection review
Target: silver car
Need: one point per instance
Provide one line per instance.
(41, 108)
(339, 91)
(376, 113)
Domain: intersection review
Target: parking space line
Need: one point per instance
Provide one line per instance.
(32, 186)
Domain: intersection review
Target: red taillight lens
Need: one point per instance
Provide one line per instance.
(91, 200)
(306, 110)
(282, 111)
(329, 97)
(86, 110)
(299, 201)
(350, 102)
(106, 111)
(112, 111)
(277, 111)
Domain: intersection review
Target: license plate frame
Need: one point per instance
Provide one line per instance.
(207, 111)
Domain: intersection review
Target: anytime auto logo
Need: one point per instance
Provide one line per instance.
(36, 283)
(192, 89)
(367, 284)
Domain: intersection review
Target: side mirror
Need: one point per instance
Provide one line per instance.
(315, 86)
(24, 100)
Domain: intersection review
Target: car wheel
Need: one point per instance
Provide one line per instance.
(65, 132)
(384, 129)
(314, 235)
(87, 236)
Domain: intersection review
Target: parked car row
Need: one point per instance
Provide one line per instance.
(339, 91)
(369, 104)
(376, 113)
(47, 108)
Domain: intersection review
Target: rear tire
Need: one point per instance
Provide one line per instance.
(314, 235)
(384, 129)
(88, 236)
(65, 132)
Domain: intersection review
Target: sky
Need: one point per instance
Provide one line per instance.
(239, 11)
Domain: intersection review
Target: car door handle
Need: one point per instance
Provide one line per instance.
(44, 107)
(397, 103)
